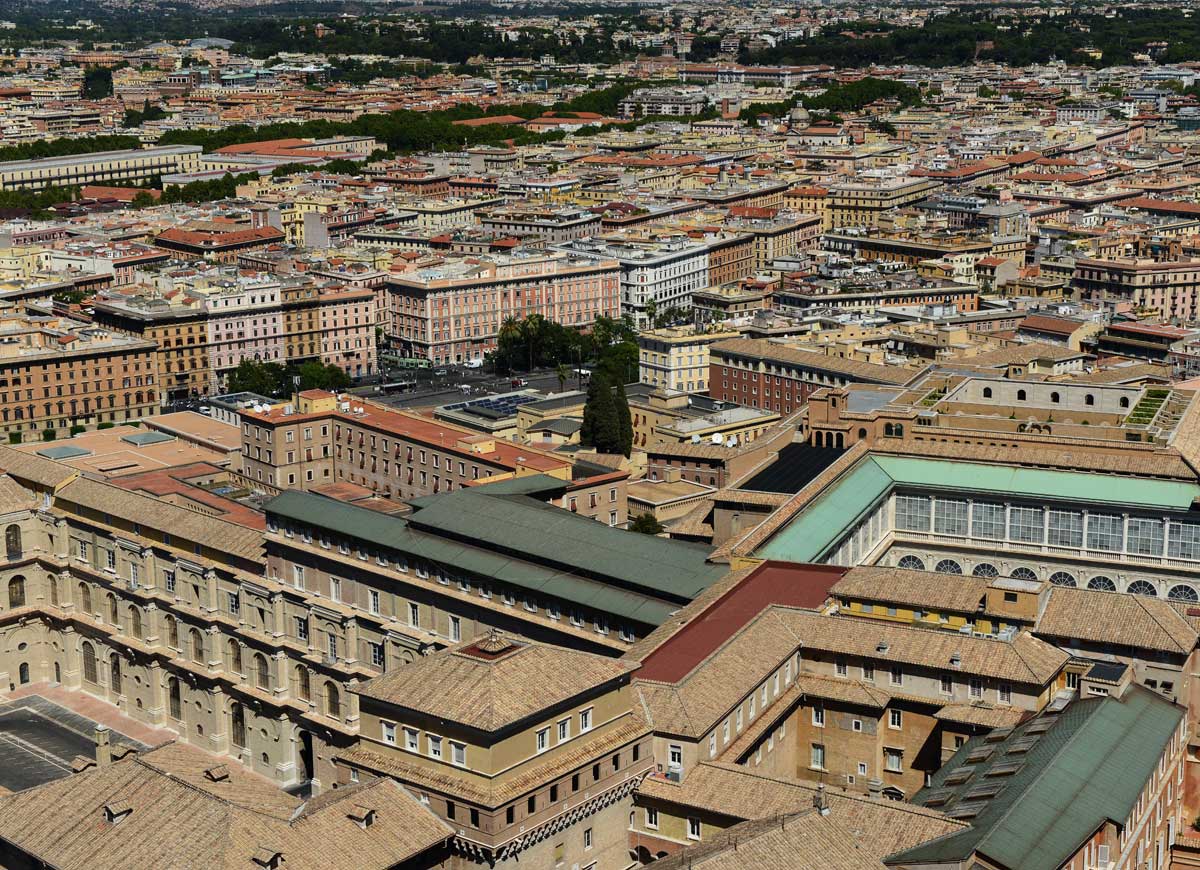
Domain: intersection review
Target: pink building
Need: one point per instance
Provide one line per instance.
(348, 329)
(449, 308)
(245, 321)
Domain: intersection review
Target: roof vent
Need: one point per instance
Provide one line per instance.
(955, 661)
(882, 646)
(219, 773)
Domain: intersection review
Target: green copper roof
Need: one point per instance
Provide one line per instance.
(1087, 768)
(846, 500)
(524, 543)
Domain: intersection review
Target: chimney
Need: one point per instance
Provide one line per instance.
(875, 787)
(103, 747)
(821, 800)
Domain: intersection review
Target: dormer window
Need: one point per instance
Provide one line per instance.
(116, 811)
(362, 816)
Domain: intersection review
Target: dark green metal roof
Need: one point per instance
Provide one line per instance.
(468, 535)
(1087, 767)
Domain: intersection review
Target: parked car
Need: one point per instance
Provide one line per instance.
(518, 382)
(441, 373)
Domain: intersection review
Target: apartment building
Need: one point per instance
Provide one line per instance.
(450, 309)
(663, 101)
(552, 225)
(102, 167)
(321, 438)
(531, 753)
(860, 203)
(676, 358)
(245, 322)
(180, 331)
(56, 374)
(663, 271)
(774, 376)
(1167, 287)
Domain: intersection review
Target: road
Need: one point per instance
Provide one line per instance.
(436, 389)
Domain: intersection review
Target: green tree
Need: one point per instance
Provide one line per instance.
(315, 375)
(624, 418)
(252, 376)
(508, 338)
(562, 373)
(600, 428)
(645, 524)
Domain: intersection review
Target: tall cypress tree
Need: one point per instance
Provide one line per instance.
(601, 428)
(624, 419)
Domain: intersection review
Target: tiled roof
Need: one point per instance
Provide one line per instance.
(492, 691)
(771, 351)
(176, 817)
(1116, 618)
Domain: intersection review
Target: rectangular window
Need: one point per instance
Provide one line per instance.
(1105, 532)
(897, 675)
(1183, 541)
(868, 673)
(652, 818)
(693, 828)
(376, 653)
(818, 716)
(414, 615)
(455, 628)
(976, 687)
(332, 646)
(389, 732)
(458, 754)
(912, 513)
(169, 581)
(817, 758)
(893, 760)
(840, 667)
(302, 627)
(411, 739)
(435, 746)
(298, 576)
(1145, 536)
(1064, 529)
(950, 517)
(585, 720)
(987, 520)
(564, 730)
(110, 560)
(947, 684)
(1005, 693)
(373, 600)
(1026, 524)
(543, 739)
(235, 602)
(895, 719)
(587, 839)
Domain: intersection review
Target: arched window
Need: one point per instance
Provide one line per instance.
(114, 614)
(172, 632)
(135, 622)
(1124, 402)
(987, 392)
(197, 646)
(53, 591)
(1089, 399)
(1062, 578)
(862, 434)
(176, 703)
(1102, 584)
(237, 731)
(88, 653)
(898, 431)
(948, 566)
(16, 591)
(1023, 573)
(333, 700)
(85, 598)
(911, 563)
(262, 671)
(1141, 587)
(984, 569)
(1054, 397)
(23, 673)
(888, 430)
(114, 673)
(1020, 395)
(302, 686)
(1183, 593)
(234, 657)
(12, 542)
